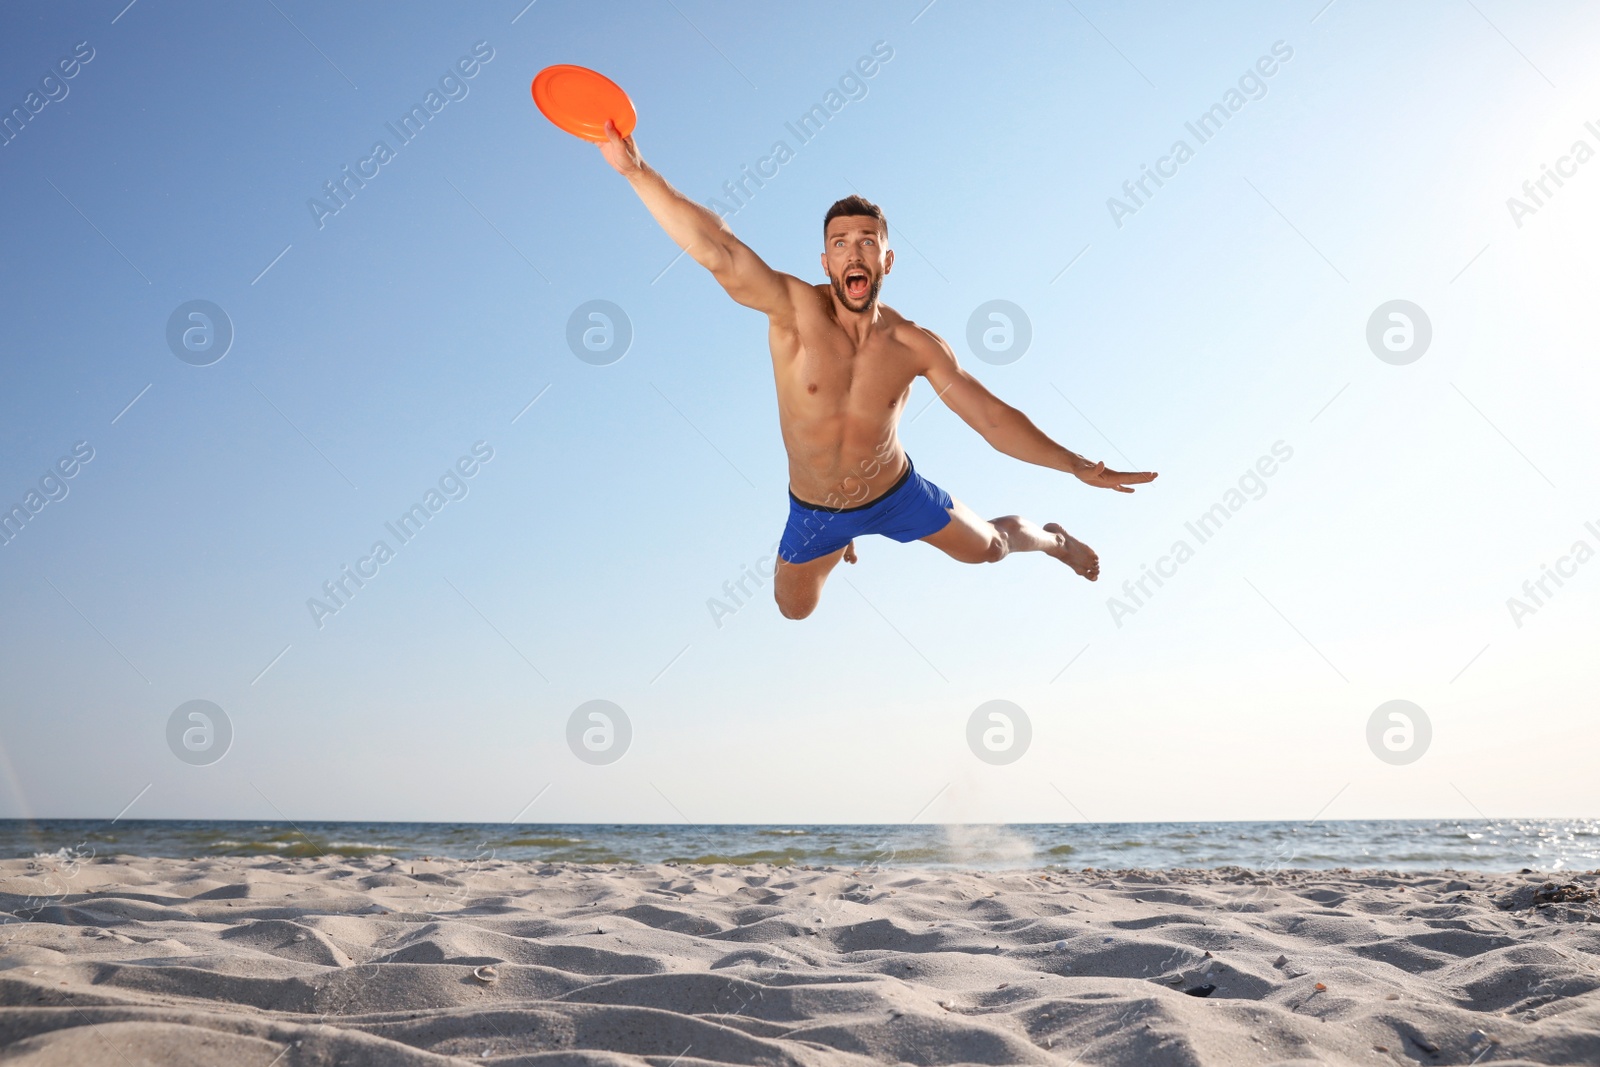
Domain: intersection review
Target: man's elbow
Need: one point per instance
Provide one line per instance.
(1000, 418)
(714, 259)
(729, 278)
(998, 425)
(992, 433)
(717, 258)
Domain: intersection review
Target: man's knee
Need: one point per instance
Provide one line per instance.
(794, 600)
(993, 550)
(795, 608)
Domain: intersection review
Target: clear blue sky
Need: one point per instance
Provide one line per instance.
(1225, 315)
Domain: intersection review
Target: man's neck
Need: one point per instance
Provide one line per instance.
(858, 324)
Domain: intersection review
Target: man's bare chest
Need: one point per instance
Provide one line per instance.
(831, 375)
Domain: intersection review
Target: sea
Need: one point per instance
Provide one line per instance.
(1387, 844)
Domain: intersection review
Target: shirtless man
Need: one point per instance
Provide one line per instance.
(844, 365)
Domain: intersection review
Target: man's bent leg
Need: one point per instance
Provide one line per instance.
(798, 586)
(974, 540)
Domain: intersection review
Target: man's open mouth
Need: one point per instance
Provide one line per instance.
(856, 283)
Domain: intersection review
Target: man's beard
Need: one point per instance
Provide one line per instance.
(874, 283)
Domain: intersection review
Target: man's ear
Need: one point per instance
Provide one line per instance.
(888, 260)
(823, 259)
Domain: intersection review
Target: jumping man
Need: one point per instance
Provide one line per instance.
(844, 365)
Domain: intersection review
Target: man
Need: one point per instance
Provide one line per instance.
(844, 365)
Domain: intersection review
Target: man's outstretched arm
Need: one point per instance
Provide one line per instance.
(698, 231)
(1010, 431)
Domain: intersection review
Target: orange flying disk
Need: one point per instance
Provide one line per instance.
(580, 100)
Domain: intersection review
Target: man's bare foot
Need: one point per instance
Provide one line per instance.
(850, 552)
(1073, 552)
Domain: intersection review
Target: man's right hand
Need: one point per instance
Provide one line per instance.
(620, 152)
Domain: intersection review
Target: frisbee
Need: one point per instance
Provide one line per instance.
(580, 100)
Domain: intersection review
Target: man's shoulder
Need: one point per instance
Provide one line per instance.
(909, 333)
(804, 294)
(799, 305)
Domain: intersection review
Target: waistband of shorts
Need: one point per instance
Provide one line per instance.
(896, 487)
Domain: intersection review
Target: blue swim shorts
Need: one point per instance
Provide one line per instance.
(913, 508)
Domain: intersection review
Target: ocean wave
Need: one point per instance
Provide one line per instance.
(1502, 845)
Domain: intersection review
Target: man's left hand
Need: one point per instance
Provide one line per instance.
(1098, 476)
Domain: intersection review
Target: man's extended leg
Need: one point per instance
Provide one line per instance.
(973, 540)
(798, 586)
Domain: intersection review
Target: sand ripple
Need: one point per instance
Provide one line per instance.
(280, 962)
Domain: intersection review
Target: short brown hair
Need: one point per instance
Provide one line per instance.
(855, 205)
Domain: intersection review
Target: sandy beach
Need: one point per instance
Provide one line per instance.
(267, 961)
